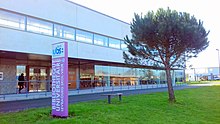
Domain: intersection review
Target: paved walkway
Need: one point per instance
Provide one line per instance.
(17, 102)
(18, 105)
(37, 95)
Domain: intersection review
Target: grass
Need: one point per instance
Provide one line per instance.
(198, 82)
(202, 82)
(193, 106)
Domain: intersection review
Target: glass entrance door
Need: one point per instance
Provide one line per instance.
(37, 79)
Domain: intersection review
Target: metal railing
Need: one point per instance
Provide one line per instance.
(10, 87)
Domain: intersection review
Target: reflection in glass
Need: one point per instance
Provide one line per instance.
(21, 22)
(20, 69)
(39, 26)
(38, 79)
(84, 36)
(100, 40)
(179, 75)
(12, 20)
(123, 46)
(114, 43)
(64, 32)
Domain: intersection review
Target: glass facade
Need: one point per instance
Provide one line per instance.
(64, 32)
(100, 40)
(99, 76)
(40, 26)
(135, 75)
(37, 79)
(114, 43)
(179, 76)
(84, 36)
(12, 20)
(90, 75)
(123, 46)
(20, 69)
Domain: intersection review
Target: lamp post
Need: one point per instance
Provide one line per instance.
(194, 70)
(218, 62)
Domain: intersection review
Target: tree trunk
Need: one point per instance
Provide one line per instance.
(170, 86)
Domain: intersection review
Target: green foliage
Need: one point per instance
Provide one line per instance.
(166, 38)
(194, 106)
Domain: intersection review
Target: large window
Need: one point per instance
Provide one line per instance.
(12, 20)
(20, 69)
(84, 36)
(179, 75)
(100, 40)
(39, 26)
(163, 78)
(114, 43)
(31, 24)
(123, 46)
(101, 70)
(64, 32)
(115, 71)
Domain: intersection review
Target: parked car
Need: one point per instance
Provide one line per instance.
(216, 78)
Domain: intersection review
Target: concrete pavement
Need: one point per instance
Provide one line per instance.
(37, 95)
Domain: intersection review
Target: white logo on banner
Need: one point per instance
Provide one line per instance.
(58, 51)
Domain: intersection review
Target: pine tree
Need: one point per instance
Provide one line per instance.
(166, 39)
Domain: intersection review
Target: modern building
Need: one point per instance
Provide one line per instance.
(28, 28)
(203, 73)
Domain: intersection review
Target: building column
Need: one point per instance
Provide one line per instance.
(27, 77)
(173, 78)
(77, 78)
(48, 80)
(184, 76)
(107, 80)
(138, 81)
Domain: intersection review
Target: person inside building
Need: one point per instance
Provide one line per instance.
(21, 82)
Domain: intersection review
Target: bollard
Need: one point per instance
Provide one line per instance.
(109, 99)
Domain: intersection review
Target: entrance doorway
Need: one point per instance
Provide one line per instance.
(38, 79)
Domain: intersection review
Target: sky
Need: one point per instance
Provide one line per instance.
(205, 10)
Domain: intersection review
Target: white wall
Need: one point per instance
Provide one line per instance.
(68, 13)
(20, 41)
(99, 23)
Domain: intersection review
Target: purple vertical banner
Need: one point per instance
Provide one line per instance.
(60, 80)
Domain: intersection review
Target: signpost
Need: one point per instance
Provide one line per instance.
(60, 80)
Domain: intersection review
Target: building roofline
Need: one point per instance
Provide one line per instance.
(97, 11)
(204, 67)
